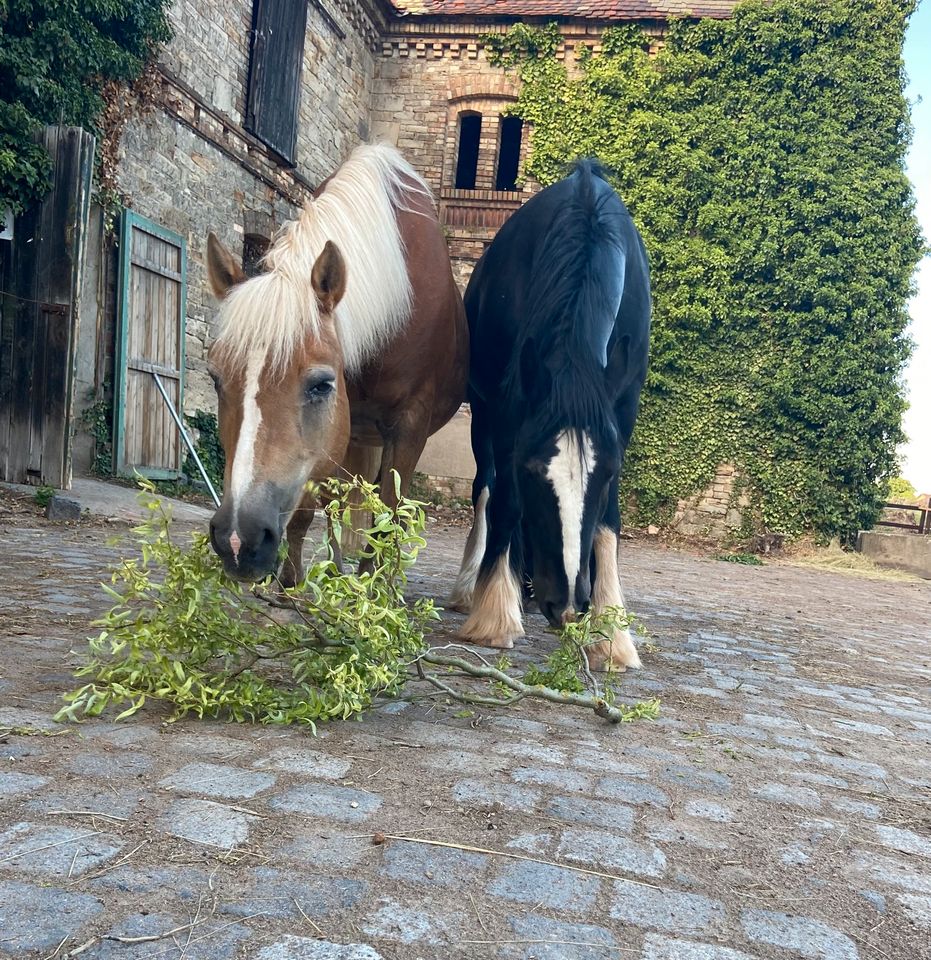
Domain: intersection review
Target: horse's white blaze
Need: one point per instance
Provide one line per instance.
(495, 618)
(243, 471)
(461, 598)
(619, 652)
(569, 472)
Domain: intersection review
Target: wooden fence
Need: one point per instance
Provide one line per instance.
(921, 525)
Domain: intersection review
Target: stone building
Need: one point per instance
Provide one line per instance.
(256, 101)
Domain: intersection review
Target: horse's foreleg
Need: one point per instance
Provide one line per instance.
(292, 569)
(617, 653)
(464, 588)
(400, 454)
(364, 462)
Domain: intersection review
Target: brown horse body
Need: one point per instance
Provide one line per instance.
(309, 398)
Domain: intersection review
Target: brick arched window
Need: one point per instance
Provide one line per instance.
(467, 148)
(510, 134)
(484, 144)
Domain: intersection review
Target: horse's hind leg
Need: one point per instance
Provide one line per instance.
(495, 619)
(461, 597)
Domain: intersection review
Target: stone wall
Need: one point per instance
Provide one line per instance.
(189, 164)
(717, 512)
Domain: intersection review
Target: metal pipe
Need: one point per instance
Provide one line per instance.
(184, 436)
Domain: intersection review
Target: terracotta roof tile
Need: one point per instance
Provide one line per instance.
(575, 9)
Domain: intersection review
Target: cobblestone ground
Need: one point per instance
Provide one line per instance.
(779, 807)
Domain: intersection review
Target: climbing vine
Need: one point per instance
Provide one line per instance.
(209, 449)
(762, 159)
(68, 61)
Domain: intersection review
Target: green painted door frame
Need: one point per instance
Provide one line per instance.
(131, 224)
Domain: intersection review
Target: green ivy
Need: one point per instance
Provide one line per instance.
(56, 57)
(208, 447)
(97, 420)
(762, 159)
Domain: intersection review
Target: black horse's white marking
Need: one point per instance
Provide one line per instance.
(559, 314)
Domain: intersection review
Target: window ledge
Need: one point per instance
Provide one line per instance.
(511, 196)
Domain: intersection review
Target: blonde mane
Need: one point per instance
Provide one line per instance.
(270, 314)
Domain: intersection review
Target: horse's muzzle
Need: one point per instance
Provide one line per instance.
(246, 541)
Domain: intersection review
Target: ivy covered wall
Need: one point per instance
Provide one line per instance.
(58, 61)
(762, 159)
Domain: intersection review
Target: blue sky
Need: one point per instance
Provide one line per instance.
(916, 454)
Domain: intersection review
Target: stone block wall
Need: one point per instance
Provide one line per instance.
(717, 512)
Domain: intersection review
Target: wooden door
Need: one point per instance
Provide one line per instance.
(40, 278)
(150, 339)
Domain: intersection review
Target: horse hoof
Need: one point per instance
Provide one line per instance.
(460, 604)
(614, 656)
(494, 643)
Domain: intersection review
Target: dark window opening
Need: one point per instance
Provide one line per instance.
(275, 73)
(254, 247)
(470, 132)
(508, 153)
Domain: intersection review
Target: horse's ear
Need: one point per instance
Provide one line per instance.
(328, 277)
(223, 271)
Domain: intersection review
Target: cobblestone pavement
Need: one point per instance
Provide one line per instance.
(778, 808)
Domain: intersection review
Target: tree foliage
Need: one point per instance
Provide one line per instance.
(762, 159)
(56, 58)
(901, 490)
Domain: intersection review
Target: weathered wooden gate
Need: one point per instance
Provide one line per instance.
(150, 339)
(40, 278)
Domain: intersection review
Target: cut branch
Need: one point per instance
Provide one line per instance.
(485, 671)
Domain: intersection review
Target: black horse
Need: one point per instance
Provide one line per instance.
(559, 314)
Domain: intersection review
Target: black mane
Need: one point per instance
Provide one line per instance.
(559, 352)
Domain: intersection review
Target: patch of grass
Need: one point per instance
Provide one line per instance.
(748, 559)
(43, 495)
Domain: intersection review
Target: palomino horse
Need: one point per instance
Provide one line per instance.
(559, 319)
(350, 350)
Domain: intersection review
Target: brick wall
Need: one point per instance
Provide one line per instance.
(429, 72)
(425, 77)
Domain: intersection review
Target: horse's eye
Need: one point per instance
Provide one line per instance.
(320, 386)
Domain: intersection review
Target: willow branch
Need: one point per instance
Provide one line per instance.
(483, 671)
(465, 697)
